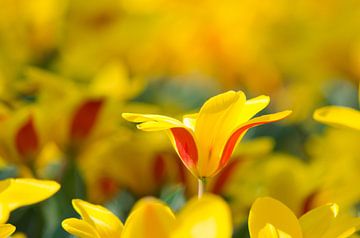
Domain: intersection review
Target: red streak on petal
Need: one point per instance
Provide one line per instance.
(230, 145)
(309, 202)
(26, 139)
(224, 176)
(186, 146)
(85, 118)
(159, 169)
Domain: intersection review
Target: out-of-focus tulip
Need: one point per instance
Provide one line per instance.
(270, 218)
(15, 193)
(208, 216)
(339, 116)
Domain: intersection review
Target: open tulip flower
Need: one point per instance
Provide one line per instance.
(270, 218)
(15, 193)
(206, 217)
(205, 141)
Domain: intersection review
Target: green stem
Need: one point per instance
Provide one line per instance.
(201, 186)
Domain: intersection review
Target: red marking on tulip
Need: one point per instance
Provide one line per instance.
(85, 118)
(159, 169)
(309, 202)
(108, 186)
(230, 145)
(26, 139)
(222, 179)
(186, 146)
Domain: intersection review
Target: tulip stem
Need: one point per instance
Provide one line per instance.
(201, 186)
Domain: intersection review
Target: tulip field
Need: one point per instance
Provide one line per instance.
(179, 119)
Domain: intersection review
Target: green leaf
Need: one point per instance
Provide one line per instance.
(174, 196)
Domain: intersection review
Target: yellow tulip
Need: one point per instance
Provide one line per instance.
(205, 141)
(15, 193)
(96, 221)
(270, 218)
(208, 216)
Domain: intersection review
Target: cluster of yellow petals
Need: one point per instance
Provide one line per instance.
(270, 218)
(15, 193)
(208, 217)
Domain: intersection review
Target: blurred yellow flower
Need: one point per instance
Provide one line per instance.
(206, 217)
(15, 193)
(336, 158)
(270, 218)
(339, 116)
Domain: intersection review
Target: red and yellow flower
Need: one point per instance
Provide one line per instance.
(205, 141)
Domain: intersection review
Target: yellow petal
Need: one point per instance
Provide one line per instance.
(317, 221)
(149, 218)
(237, 135)
(207, 217)
(215, 117)
(182, 137)
(189, 120)
(19, 235)
(80, 228)
(338, 116)
(105, 222)
(6, 230)
(342, 227)
(325, 222)
(152, 122)
(269, 231)
(23, 192)
(270, 211)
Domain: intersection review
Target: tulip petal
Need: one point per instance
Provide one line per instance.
(270, 211)
(325, 222)
(149, 218)
(317, 221)
(338, 116)
(241, 130)
(105, 222)
(185, 145)
(85, 118)
(342, 227)
(269, 231)
(207, 217)
(189, 120)
(182, 138)
(23, 192)
(152, 122)
(79, 228)
(27, 139)
(213, 121)
(6, 230)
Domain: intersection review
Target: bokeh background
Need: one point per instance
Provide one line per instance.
(68, 69)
